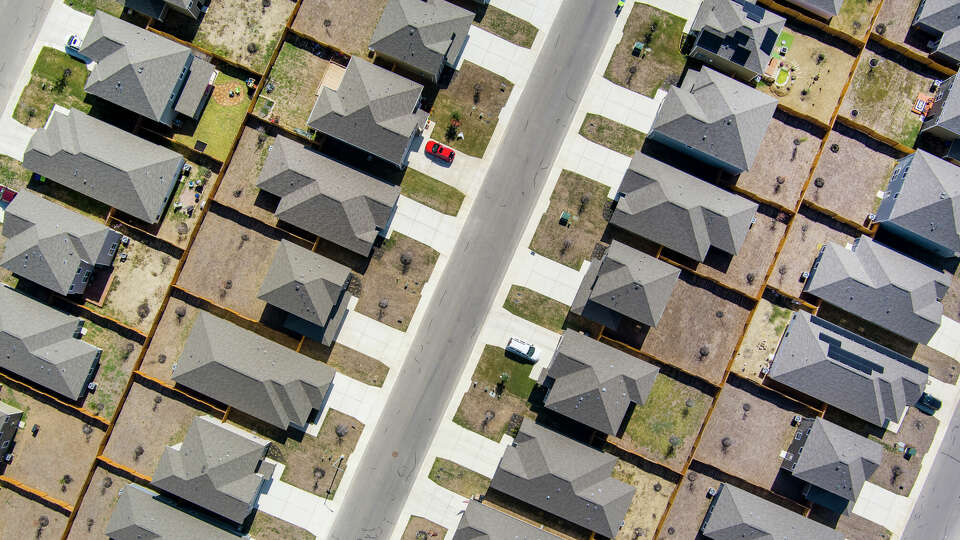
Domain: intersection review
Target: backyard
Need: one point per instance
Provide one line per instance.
(56, 78)
(689, 507)
(431, 192)
(497, 399)
(353, 364)
(419, 528)
(178, 222)
(116, 363)
(168, 340)
(242, 31)
(649, 500)
(346, 25)
(458, 478)
(95, 510)
(90, 7)
(391, 288)
(892, 25)
(221, 117)
(238, 187)
(12, 173)
(508, 26)
(613, 135)
(660, 63)
(470, 107)
(854, 18)
(808, 231)
(536, 308)
(761, 340)
(571, 244)
(267, 527)
(295, 77)
(19, 514)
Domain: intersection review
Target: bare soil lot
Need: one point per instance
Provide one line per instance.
(21, 517)
(295, 76)
(896, 473)
(689, 507)
(231, 26)
(943, 367)
(353, 364)
(351, 23)
(649, 500)
(854, 18)
(167, 343)
(419, 528)
(478, 404)
(388, 279)
(575, 242)
(896, 27)
(238, 188)
(761, 340)
(95, 510)
(116, 364)
(809, 230)
(138, 285)
(662, 65)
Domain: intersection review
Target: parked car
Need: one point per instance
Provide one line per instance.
(74, 42)
(524, 350)
(438, 150)
(928, 404)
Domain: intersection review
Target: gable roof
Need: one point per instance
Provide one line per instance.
(481, 522)
(846, 371)
(940, 15)
(216, 467)
(837, 460)
(565, 478)
(136, 69)
(47, 243)
(830, 7)
(679, 211)
(716, 115)
(373, 109)
(37, 343)
(881, 286)
(104, 163)
(141, 514)
(735, 514)
(251, 373)
(740, 36)
(424, 34)
(595, 384)
(325, 197)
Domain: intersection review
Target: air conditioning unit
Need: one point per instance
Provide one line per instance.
(804, 276)
(8, 458)
(92, 387)
(711, 492)
(796, 420)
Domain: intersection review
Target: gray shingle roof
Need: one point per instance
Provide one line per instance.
(104, 163)
(679, 211)
(424, 34)
(251, 373)
(946, 112)
(716, 115)
(837, 460)
(594, 383)
(37, 343)
(216, 467)
(374, 110)
(735, 514)
(47, 243)
(194, 90)
(830, 7)
(739, 38)
(325, 197)
(881, 286)
(565, 478)
(846, 371)
(139, 514)
(943, 16)
(136, 69)
(481, 522)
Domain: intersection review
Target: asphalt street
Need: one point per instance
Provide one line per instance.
(936, 515)
(19, 27)
(477, 266)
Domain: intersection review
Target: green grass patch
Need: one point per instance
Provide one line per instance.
(660, 64)
(779, 318)
(90, 7)
(220, 123)
(854, 17)
(508, 26)
(431, 192)
(12, 173)
(666, 415)
(536, 308)
(613, 135)
(458, 478)
(494, 363)
(477, 112)
(51, 83)
(8, 397)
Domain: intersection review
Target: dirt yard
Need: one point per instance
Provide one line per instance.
(893, 25)
(178, 224)
(238, 188)
(897, 474)
(230, 27)
(475, 112)
(661, 65)
(351, 23)
(353, 364)
(167, 343)
(417, 527)
(761, 340)
(809, 230)
(854, 18)
(138, 285)
(295, 75)
(458, 479)
(689, 507)
(942, 367)
(385, 280)
(717, 320)
(649, 500)
(18, 515)
(267, 527)
(476, 406)
(116, 363)
(97, 506)
(585, 200)
(852, 175)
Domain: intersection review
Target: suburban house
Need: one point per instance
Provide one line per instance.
(144, 72)
(825, 9)
(218, 467)
(54, 247)
(158, 9)
(422, 35)
(922, 203)
(564, 478)
(735, 514)
(736, 37)
(943, 118)
(833, 461)
(105, 163)
(846, 371)
(595, 384)
(310, 288)
(626, 284)
(483, 522)
(252, 374)
(9, 423)
(374, 110)
(42, 346)
(327, 198)
(940, 21)
(679, 211)
(880, 286)
(714, 119)
(140, 513)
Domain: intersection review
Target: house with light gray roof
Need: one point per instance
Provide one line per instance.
(736, 37)
(943, 119)
(735, 514)
(846, 371)
(825, 9)
(9, 424)
(714, 119)
(327, 198)
(939, 20)
(159, 9)
(374, 110)
(54, 247)
(252, 374)
(679, 211)
(310, 288)
(480, 522)
(881, 286)
(42, 346)
(140, 514)
(422, 35)
(625, 284)
(564, 478)
(595, 384)
(105, 163)
(218, 467)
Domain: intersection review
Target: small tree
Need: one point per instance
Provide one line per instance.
(143, 310)
(137, 452)
(383, 304)
(65, 481)
(243, 239)
(341, 431)
(156, 402)
(252, 48)
(406, 259)
(261, 136)
(105, 485)
(584, 201)
(487, 417)
(675, 443)
(746, 410)
(128, 350)
(704, 352)
(565, 246)
(691, 480)
(725, 444)
(318, 475)
(180, 312)
(42, 522)
(90, 523)
(162, 359)
(751, 277)
(87, 431)
(895, 473)
(164, 261)
(476, 93)
(182, 229)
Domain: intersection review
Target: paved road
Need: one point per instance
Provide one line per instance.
(936, 515)
(19, 27)
(475, 270)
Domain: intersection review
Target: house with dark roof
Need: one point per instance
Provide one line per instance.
(825, 9)
(310, 288)
(595, 384)
(735, 514)
(252, 374)
(626, 284)
(9, 424)
(833, 462)
(679, 211)
(736, 37)
(143, 72)
(105, 163)
(374, 110)
(54, 247)
(481, 522)
(714, 119)
(42, 346)
(846, 371)
(922, 204)
(943, 119)
(939, 20)
(140, 513)
(881, 286)
(422, 35)
(327, 198)
(218, 467)
(564, 478)
(159, 9)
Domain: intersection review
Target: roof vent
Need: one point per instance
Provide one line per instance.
(139, 69)
(943, 195)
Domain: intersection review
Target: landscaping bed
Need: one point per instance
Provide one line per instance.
(458, 478)
(353, 364)
(585, 200)
(56, 78)
(649, 500)
(230, 27)
(809, 230)
(431, 192)
(267, 527)
(238, 187)
(351, 23)
(661, 65)
(462, 108)
(536, 308)
(95, 510)
(168, 340)
(177, 224)
(19, 514)
(388, 279)
(116, 363)
(611, 134)
(854, 18)
(221, 117)
(419, 528)
(295, 77)
(508, 26)
(138, 285)
(12, 173)
(761, 340)
(689, 507)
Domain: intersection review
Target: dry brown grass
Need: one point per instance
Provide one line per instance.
(295, 75)
(238, 188)
(585, 228)
(353, 364)
(689, 508)
(19, 517)
(351, 23)
(942, 367)
(658, 68)
(97, 505)
(168, 340)
(230, 25)
(896, 26)
(417, 524)
(386, 280)
(808, 232)
(143, 278)
(649, 500)
(761, 340)
(477, 402)
(267, 527)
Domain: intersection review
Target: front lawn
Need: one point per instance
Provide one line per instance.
(571, 244)
(470, 106)
(295, 76)
(536, 308)
(90, 7)
(458, 478)
(396, 286)
(508, 26)
(613, 135)
(487, 407)
(221, 118)
(661, 63)
(494, 364)
(12, 173)
(431, 192)
(56, 78)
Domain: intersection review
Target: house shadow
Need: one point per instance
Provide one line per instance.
(180, 25)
